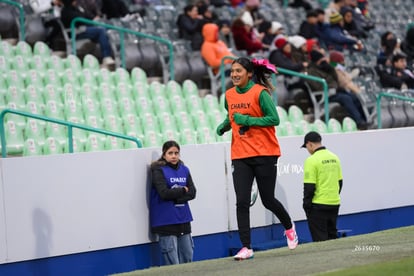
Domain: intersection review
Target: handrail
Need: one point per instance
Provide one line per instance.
(287, 72)
(387, 95)
(122, 31)
(21, 17)
(69, 125)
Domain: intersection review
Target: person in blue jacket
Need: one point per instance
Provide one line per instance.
(170, 215)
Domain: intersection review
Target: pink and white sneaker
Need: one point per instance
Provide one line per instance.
(292, 237)
(244, 254)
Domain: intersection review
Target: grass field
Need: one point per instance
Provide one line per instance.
(389, 252)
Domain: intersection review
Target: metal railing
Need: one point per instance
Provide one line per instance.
(387, 95)
(22, 35)
(122, 32)
(69, 125)
(287, 72)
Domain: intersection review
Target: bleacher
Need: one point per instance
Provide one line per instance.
(142, 102)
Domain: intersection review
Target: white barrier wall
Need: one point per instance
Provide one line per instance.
(63, 204)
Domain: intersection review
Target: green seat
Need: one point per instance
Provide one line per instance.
(295, 114)
(5, 64)
(161, 104)
(32, 148)
(20, 63)
(138, 75)
(35, 130)
(166, 121)
(200, 119)
(105, 76)
(91, 107)
(132, 125)
(140, 90)
(51, 76)
(189, 88)
(170, 134)
(23, 48)
(89, 91)
(78, 145)
(35, 108)
(143, 105)
(71, 92)
(94, 143)
(222, 99)
(41, 49)
(15, 78)
(113, 123)
(124, 90)
(157, 89)
(88, 76)
(302, 127)
(73, 111)
(91, 62)
(216, 117)
(149, 122)
(121, 75)
(184, 120)
(210, 103)
(16, 95)
(109, 106)
(349, 125)
(290, 129)
(152, 139)
(281, 130)
(205, 135)
(70, 76)
(52, 146)
(106, 90)
(56, 63)
(283, 115)
(6, 49)
(194, 102)
(73, 62)
(34, 77)
(334, 126)
(94, 121)
(126, 106)
(113, 143)
(14, 138)
(39, 63)
(57, 131)
(188, 136)
(172, 89)
(178, 104)
(20, 121)
(33, 93)
(52, 92)
(319, 126)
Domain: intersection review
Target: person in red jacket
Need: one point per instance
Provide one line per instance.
(255, 150)
(213, 49)
(244, 36)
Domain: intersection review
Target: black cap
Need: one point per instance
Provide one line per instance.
(311, 136)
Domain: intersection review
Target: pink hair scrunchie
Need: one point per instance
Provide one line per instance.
(265, 63)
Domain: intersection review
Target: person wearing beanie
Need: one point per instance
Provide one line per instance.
(338, 38)
(320, 67)
(345, 81)
(299, 49)
(282, 57)
(333, 7)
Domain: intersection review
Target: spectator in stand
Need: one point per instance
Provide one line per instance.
(320, 67)
(213, 49)
(91, 8)
(307, 28)
(301, 3)
(321, 28)
(345, 81)
(361, 20)
(97, 34)
(118, 9)
(299, 49)
(333, 8)
(207, 12)
(398, 76)
(282, 57)
(390, 45)
(225, 32)
(252, 7)
(244, 37)
(190, 24)
(270, 30)
(338, 38)
(407, 46)
(350, 25)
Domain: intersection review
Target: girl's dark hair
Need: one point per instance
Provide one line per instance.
(169, 144)
(261, 75)
(188, 8)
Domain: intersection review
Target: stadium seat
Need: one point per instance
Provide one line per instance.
(127, 106)
(349, 125)
(189, 88)
(166, 121)
(52, 146)
(56, 63)
(91, 62)
(52, 92)
(113, 143)
(157, 89)
(39, 63)
(14, 138)
(35, 130)
(5, 64)
(210, 103)
(184, 121)
(40, 48)
(283, 115)
(188, 136)
(302, 127)
(295, 114)
(94, 143)
(319, 126)
(121, 76)
(143, 105)
(177, 104)
(152, 139)
(334, 126)
(22, 48)
(138, 75)
(149, 122)
(32, 148)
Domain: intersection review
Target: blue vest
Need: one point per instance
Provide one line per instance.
(166, 212)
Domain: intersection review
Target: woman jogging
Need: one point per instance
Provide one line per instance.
(252, 117)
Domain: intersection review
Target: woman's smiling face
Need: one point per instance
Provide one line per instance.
(239, 75)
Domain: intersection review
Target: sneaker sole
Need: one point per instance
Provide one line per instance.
(242, 259)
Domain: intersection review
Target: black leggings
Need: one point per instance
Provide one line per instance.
(264, 169)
